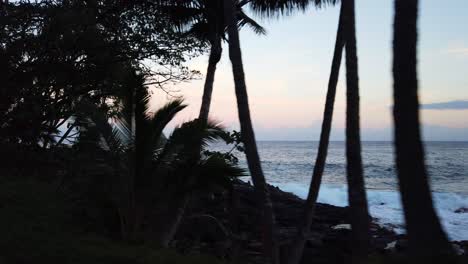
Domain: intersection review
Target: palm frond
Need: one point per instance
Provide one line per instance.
(164, 115)
(205, 18)
(275, 8)
(243, 20)
(182, 17)
(197, 133)
(95, 123)
(215, 171)
(150, 133)
(190, 139)
(200, 30)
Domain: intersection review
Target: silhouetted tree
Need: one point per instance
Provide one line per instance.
(248, 137)
(297, 248)
(151, 177)
(205, 20)
(87, 45)
(216, 34)
(360, 220)
(425, 234)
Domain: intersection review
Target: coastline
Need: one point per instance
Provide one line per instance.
(385, 206)
(328, 240)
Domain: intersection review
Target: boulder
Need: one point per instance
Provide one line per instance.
(461, 210)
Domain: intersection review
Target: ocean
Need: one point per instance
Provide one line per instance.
(289, 164)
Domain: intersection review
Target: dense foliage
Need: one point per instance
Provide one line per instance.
(55, 53)
(75, 89)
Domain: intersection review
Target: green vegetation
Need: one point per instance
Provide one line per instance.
(38, 225)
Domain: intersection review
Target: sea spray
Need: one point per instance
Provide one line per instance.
(385, 206)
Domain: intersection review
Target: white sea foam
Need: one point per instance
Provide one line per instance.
(386, 206)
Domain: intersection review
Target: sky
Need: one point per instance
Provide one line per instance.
(287, 74)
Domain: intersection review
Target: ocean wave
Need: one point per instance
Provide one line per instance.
(385, 206)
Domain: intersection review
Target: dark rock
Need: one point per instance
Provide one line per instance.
(461, 210)
(324, 244)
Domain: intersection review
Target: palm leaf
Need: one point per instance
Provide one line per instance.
(189, 140)
(244, 20)
(164, 115)
(275, 8)
(94, 121)
(198, 133)
(182, 17)
(215, 172)
(200, 30)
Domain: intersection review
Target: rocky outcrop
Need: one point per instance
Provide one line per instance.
(228, 225)
(461, 210)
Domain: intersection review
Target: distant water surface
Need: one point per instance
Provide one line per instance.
(289, 164)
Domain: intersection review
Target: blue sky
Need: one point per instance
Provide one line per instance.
(287, 73)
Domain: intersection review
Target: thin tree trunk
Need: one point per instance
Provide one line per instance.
(253, 160)
(359, 214)
(215, 57)
(297, 249)
(425, 234)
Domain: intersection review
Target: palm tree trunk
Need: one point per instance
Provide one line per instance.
(248, 137)
(297, 249)
(359, 214)
(425, 233)
(215, 57)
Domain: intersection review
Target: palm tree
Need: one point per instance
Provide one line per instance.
(216, 35)
(425, 234)
(205, 20)
(248, 137)
(360, 221)
(153, 177)
(314, 188)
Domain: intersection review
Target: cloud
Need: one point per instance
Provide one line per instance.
(450, 105)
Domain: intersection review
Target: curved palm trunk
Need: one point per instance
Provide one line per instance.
(297, 249)
(248, 137)
(425, 233)
(356, 191)
(215, 57)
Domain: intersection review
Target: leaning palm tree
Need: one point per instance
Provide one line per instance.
(204, 19)
(216, 33)
(360, 222)
(425, 234)
(271, 252)
(298, 244)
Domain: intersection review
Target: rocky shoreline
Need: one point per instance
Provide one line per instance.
(228, 226)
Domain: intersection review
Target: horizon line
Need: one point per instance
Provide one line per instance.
(309, 140)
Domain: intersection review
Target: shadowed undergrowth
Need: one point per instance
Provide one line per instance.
(37, 226)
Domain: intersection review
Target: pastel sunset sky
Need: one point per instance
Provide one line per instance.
(287, 74)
